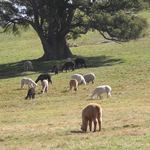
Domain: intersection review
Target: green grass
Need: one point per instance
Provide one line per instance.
(52, 121)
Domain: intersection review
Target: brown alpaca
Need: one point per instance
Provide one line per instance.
(91, 113)
(73, 84)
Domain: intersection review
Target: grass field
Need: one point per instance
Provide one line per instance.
(52, 121)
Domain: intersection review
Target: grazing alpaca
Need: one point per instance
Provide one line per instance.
(91, 113)
(80, 62)
(28, 66)
(90, 77)
(31, 93)
(68, 66)
(100, 90)
(79, 78)
(44, 86)
(28, 81)
(44, 76)
(73, 84)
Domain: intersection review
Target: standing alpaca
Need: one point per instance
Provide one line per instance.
(79, 78)
(28, 66)
(91, 113)
(31, 93)
(28, 81)
(44, 86)
(73, 84)
(100, 90)
(44, 76)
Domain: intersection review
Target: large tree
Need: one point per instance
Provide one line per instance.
(56, 20)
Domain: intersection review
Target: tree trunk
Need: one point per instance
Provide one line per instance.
(55, 48)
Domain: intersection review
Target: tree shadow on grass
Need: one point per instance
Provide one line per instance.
(100, 61)
(16, 69)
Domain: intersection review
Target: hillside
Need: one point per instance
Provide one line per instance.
(52, 121)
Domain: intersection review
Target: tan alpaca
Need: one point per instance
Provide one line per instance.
(73, 84)
(91, 113)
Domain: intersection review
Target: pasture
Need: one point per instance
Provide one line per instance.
(52, 121)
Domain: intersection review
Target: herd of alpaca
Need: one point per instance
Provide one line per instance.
(92, 113)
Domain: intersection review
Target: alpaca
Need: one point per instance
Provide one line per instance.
(42, 77)
(73, 84)
(67, 66)
(44, 86)
(55, 69)
(100, 90)
(80, 62)
(91, 113)
(90, 77)
(79, 78)
(28, 81)
(31, 93)
(28, 66)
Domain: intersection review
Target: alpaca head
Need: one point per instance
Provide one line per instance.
(83, 128)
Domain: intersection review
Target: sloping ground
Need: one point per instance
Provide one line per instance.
(52, 121)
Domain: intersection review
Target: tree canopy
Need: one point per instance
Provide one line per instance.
(56, 20)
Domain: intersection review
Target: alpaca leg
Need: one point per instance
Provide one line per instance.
(100, 124)
(90, 125)
(95, 123)
(46, 89)
(70, 87)
(100, 97)
(33, 96)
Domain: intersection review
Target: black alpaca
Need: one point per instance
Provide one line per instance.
(68, 65)
(55, 69)
(80, 62)
(31, 93)
(42, 77)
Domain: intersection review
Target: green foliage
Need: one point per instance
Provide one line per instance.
(72, 18)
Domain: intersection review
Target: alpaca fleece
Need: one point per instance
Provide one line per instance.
(91, 113)
(28, 66)
(44, 86)
(100, 90)
(73, 84)
(30, 93)
(28, 81)
(80, 62)
(79, 78)
(42, 77)
(68, 66)
(89, 77)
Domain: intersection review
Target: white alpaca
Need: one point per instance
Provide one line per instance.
(28, 66)
(44, 86)
(89, 77)
(29, 82)
(79, 78)
(100, 90)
